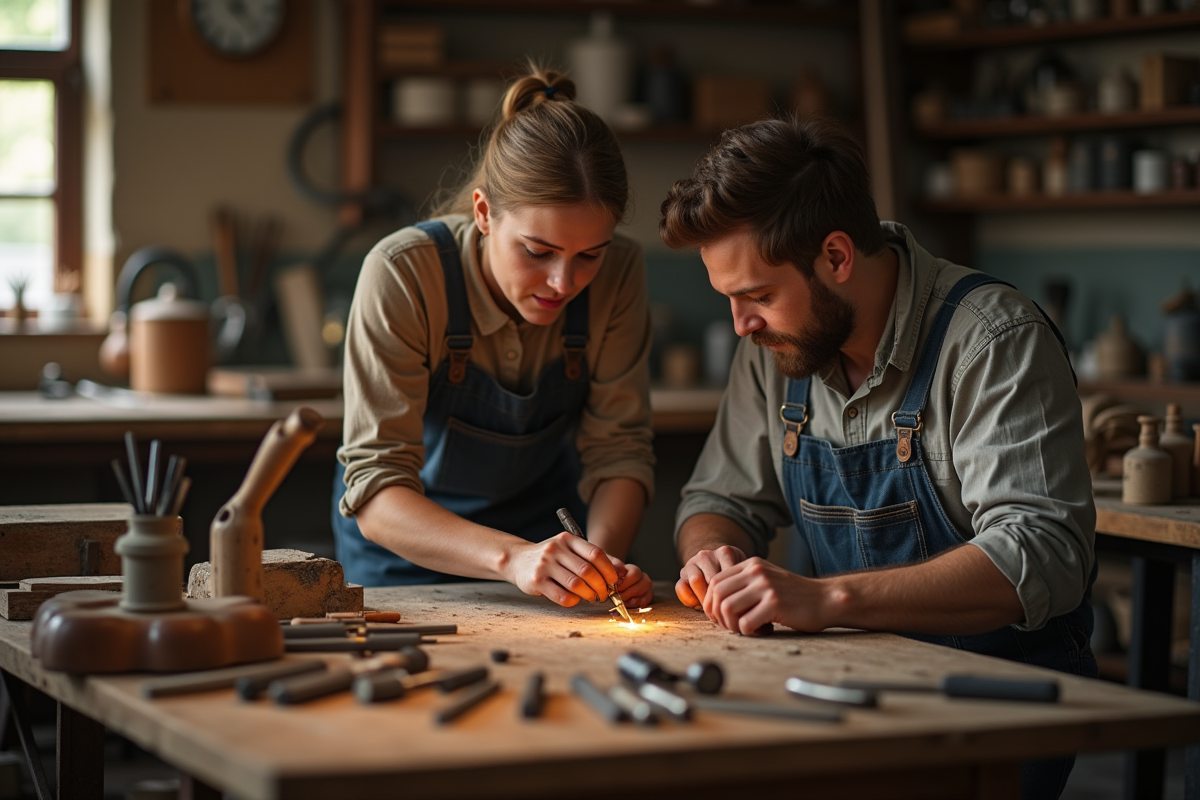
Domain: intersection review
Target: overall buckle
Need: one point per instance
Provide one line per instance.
(573, 353)
(794, 416)
(460, 354)
(904, 436)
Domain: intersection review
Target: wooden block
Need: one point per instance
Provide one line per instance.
(720, 101)
(302, 307)
(53, 540)
(1167, 80)
(295, 584)
(23, 602)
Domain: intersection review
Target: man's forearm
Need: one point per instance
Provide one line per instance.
(959, 592)
(708, 532)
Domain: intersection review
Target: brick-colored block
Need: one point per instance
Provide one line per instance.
(295, 584)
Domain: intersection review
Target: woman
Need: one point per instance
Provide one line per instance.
(496, 370)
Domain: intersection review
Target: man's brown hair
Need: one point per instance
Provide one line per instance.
(791, 182)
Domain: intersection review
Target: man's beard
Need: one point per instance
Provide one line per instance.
(813, 350)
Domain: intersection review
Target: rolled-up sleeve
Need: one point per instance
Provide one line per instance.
(386, 380)
(735, 475)
(1017, 435)
(615, 437)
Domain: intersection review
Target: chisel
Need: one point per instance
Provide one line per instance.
(374, 642)
(971, 686)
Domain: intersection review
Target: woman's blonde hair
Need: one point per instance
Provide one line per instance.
(546, 150)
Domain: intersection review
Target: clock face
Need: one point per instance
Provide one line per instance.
(236, 27)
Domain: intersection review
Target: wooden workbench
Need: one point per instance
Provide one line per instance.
(1159, 538)
(912, 746)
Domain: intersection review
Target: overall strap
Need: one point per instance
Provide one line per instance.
(794, 413)
(575, 335)
(908, 419)
(458, 324)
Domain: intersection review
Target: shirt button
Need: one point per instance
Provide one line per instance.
(852, 412)
(510, 355)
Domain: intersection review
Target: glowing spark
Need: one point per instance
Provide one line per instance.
(644, 610)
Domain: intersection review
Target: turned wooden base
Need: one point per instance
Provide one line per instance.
(87, 631)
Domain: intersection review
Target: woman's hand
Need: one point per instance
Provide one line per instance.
(635, 586)
(565, 569)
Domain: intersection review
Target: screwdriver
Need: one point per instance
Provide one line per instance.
(564, 516)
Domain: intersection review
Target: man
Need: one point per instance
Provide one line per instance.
(916, 420)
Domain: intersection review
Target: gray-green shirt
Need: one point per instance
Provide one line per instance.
(1002, 431)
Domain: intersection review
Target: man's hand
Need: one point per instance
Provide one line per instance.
(755, 592)
(565, 569)
(635, 586)
(700, 571)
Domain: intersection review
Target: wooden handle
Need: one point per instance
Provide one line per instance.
(225, 241)
(278, 452)
(236, 535)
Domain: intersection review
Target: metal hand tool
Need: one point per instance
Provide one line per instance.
(564, 516)
(225, 678)
(759, 709)
(706, 677)
(971, 686)
(466, 700)
(303, 688)
(596, 699)
(673, 705)
(811, 690)
(374, 642)
(534, 697)
(636, 707)
(392, 684)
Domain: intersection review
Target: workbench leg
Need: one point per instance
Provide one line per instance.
(194, 789)
(1191, 776)
(14, 689)
(1150, 663)
(79, 765)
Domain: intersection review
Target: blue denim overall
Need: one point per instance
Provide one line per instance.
(873, 505)
(492, 456)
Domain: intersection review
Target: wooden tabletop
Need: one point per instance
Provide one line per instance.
(29, 418)
(335, 747)
(1176, 523)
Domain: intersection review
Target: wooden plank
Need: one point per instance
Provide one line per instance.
(23, 602)
(1176, 524)
(46, 541)
(337, 746)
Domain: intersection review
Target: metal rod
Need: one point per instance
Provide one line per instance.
(170, 484)
(212, 679)
(135, 471)
(466, 700)
(152, 476)
(123, 483)
(375, 642)
(599, 701)
(758, 709)
(533, 699)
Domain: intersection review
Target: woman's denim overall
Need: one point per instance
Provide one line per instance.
(492, 456)
(873, 505)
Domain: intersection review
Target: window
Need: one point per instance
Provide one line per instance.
(41, 216)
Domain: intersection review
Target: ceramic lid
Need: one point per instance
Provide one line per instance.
(168, 305)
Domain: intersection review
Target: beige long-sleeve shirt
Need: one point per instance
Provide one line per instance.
(396, 339)
(1002, 432)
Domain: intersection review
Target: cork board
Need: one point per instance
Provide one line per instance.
(182, 70)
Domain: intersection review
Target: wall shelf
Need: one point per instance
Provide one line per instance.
(1034, 126)
(838, 15)
(657, 133)
(1070, 202)
(1018, 35)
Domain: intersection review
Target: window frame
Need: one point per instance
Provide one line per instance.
(64, 69)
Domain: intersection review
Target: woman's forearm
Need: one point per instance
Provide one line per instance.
(615, 514)
(418, 529)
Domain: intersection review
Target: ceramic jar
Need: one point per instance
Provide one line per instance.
(169, 346)
(1146, 468)
(152, 554)
(1117, 354)
(1179, 446)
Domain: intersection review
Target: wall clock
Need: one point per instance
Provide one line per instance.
(236, 28)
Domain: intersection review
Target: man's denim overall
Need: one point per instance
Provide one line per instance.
(873, 505)
(492, 456)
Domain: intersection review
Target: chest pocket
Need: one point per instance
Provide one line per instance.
(476, 462)
(844, 539)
